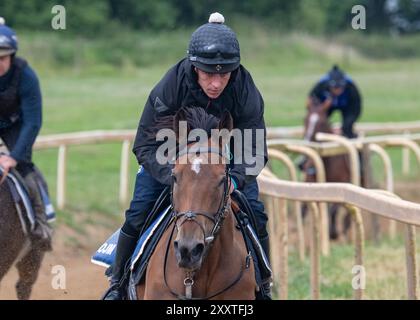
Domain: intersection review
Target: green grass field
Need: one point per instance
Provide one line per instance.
(84, 95)
(384, 269)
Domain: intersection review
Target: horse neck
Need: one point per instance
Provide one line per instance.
(224, 250)
(337, 168)
(321, 126)
(325, 127)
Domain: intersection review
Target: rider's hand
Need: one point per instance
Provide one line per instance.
(308, 102)
(7, 162)
(327, 103)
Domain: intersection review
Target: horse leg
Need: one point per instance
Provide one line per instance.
(5, 264)
(333, 210)
(28, 269)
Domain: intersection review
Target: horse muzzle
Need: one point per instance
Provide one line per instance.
(189, 254)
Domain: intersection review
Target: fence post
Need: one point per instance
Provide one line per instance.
(281, 156)
(352, 152)
(314, 248)
(389, 178)
(369, 184)
(358, 244)
(410, 252)
(61, 177)
(124, 172)
(323, 209)
(406, 156)
(282, 237)
(274, 245)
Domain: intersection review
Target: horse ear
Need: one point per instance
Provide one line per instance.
(226, 121)
(179, 128)
(225, 124)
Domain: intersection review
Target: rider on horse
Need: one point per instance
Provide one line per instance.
(210, 77)
(337, 91)
(20, 122)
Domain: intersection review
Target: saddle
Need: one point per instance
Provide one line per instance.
(20, 196)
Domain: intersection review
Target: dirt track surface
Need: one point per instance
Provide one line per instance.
(83, 280)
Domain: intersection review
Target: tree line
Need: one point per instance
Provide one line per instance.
(93, 17)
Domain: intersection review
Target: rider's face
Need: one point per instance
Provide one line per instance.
(212, 84)
(336, 91)
(5, 62)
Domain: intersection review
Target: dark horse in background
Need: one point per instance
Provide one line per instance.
(15, 246)
(337, 168)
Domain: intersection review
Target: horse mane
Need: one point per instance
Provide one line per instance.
(196, 118)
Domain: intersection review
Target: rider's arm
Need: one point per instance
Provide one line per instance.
(159, 103)
(355, 100)
(31, 114)
(251, 106)
(353, 113)
(320, 91)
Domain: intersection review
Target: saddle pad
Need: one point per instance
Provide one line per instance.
(105, 255)
(21, 199)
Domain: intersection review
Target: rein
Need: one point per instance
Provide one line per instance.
(191, 216)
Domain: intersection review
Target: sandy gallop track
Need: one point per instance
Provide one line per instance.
(83, 280)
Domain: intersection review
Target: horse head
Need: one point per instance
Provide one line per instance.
(316, 119)
(200, 185)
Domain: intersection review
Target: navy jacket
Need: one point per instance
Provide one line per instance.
(349, 101)
(29, 117)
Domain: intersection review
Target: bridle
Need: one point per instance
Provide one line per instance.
(191, 216)
(217, 218)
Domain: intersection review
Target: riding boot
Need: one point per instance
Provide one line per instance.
(42, 233)
(266, 286)
(125, 247)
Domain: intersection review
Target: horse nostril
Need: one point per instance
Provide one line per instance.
(176, 245)
(198, 250)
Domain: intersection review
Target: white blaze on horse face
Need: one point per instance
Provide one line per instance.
(313, 119)
(196, 165)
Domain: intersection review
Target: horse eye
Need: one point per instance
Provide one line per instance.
(173, 177)
(222, 181)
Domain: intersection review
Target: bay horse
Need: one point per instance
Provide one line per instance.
(337, 168)
(202, 254)
(16, 248)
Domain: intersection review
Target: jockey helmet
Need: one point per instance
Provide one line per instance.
(336, 78)
(8, 40)
(214, 47)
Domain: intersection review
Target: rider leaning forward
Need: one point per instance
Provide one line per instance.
(210, 77)
(20, 122)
